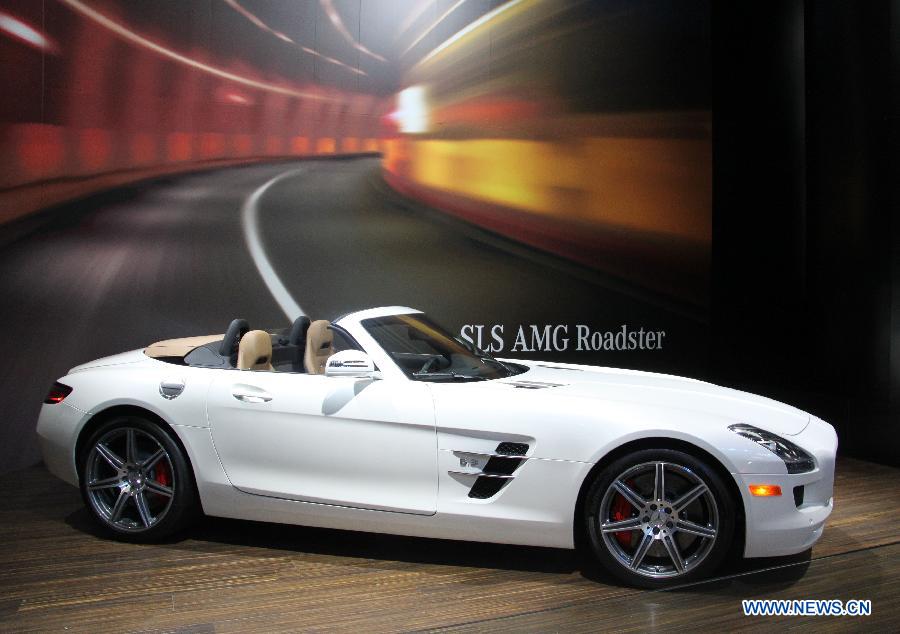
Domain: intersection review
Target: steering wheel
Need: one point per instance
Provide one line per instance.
(436, 360)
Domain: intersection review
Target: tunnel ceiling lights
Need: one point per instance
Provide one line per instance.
(412, 17)
(256, 21)
(338, 23)
(19, 30)
(139, 40)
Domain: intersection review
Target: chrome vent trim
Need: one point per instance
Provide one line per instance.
(482, 475)
(533, 385)
(558, 367)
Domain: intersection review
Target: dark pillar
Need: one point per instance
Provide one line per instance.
(759, 242)
(806, 242)
(848, 47)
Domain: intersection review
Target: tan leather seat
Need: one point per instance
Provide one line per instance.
(319, 346)
(255, 351)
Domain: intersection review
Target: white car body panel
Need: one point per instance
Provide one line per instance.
(393, 455)
(335, 440)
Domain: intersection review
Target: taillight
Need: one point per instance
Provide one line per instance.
(57, 393)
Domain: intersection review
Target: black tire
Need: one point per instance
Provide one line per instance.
(149, 502)
(663, 526)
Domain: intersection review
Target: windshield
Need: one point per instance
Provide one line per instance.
(427, 352)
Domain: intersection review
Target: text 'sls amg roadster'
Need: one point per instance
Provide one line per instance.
(382, 421)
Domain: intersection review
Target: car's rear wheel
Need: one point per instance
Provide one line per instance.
(659, 517)
(136, 480)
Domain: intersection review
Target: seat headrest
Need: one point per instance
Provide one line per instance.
(255, 351)
(319, 346)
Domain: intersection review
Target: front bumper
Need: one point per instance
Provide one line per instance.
(778, 526)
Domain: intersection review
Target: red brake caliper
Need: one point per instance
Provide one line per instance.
(621, 510)
(161, 474)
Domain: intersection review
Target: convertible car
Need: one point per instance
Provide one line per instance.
(382, 421)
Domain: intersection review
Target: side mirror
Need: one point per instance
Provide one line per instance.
(350, 363)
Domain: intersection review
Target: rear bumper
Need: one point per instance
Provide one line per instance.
(778, 526)
(56, 429)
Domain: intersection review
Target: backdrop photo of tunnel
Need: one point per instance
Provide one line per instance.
(537, 170)
(655, 185)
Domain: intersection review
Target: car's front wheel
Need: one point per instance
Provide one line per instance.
(136, 480)
(658, 517)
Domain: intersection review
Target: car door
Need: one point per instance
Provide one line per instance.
(346, 441)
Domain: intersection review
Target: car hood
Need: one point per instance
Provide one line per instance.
(663, 390)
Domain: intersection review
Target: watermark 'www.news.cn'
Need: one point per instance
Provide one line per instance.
(806, 607)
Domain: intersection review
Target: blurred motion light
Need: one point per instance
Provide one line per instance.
(150, 45)
(412, 110)
(338, 24)
(234, 4)
(432, 26)
(237, 98)
(18, 30)
(487, 17)
(411, 18)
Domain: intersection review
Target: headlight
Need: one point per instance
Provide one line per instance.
(795, 459)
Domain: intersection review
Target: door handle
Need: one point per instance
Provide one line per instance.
(249, 394)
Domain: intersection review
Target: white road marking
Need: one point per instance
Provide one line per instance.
(250, 224)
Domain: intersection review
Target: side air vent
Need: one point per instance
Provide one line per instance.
(497, 470)
(512, 449)
(486, 487)
(501, 465)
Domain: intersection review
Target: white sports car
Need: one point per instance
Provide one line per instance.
(382, 421)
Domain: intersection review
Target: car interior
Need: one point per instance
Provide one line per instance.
(303, 348)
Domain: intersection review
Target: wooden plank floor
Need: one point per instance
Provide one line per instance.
(56, 574)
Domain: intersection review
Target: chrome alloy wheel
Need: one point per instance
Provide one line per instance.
(129, 479)
(659, 519)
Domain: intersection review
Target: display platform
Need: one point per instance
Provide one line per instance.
(57, 573)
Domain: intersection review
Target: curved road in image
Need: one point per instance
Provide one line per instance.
(184, 255)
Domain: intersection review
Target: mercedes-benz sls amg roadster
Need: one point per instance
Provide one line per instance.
(383, 421)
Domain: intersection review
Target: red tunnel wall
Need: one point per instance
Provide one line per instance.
(93, 109)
